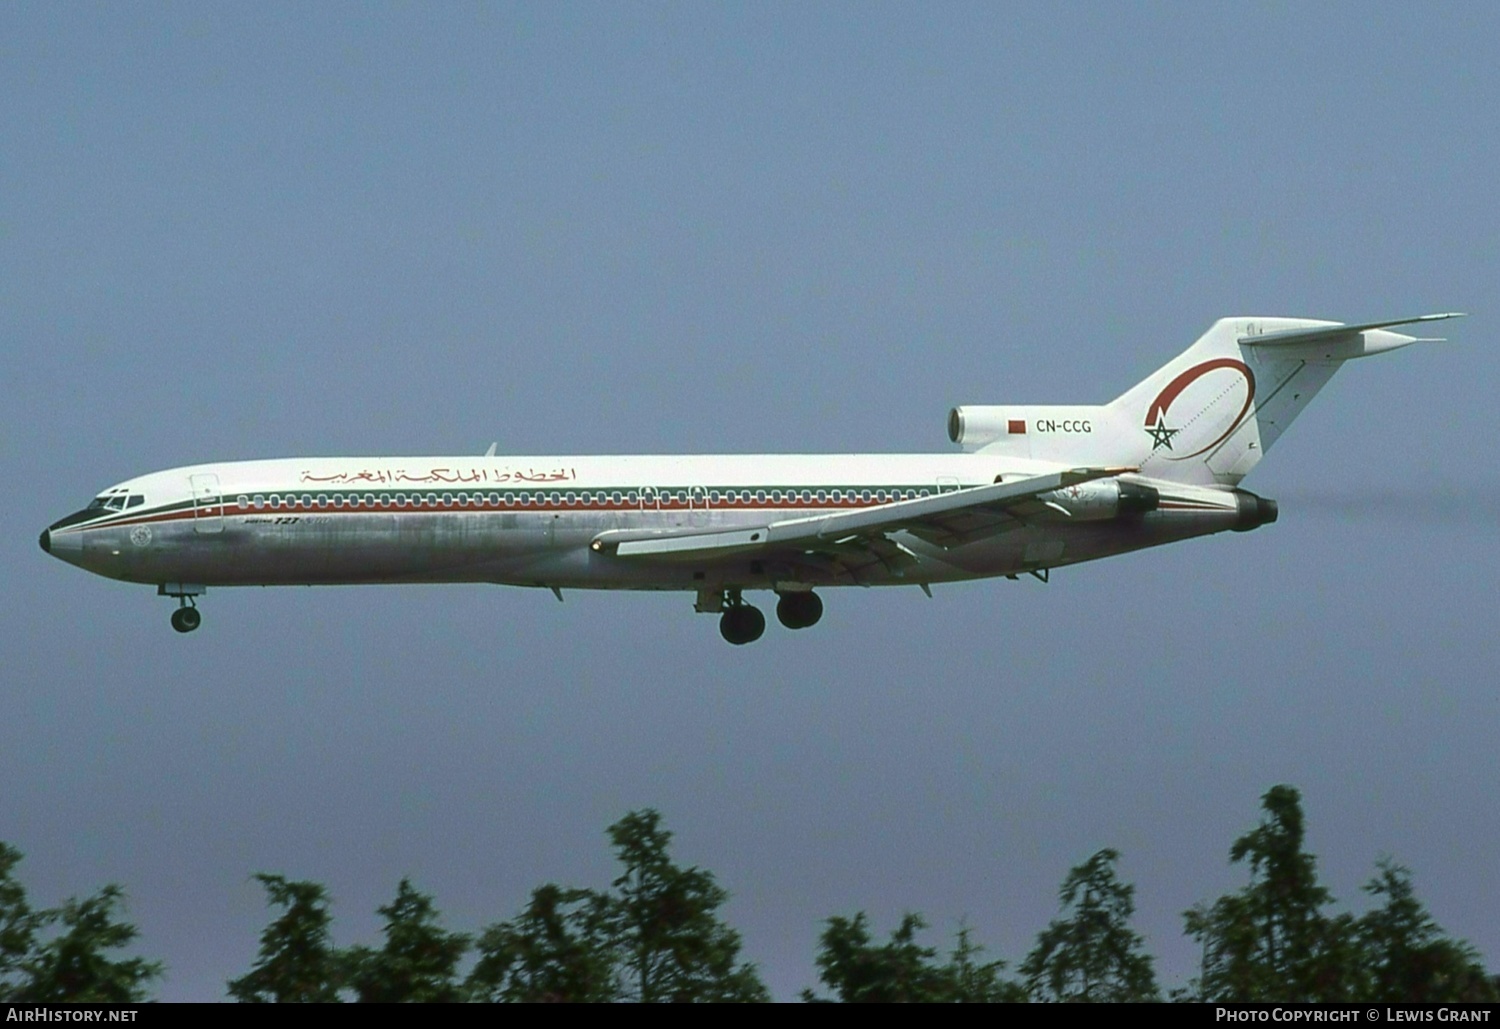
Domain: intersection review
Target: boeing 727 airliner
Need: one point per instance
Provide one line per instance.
(1034, 488)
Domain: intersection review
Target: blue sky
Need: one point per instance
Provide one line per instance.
(232, 232)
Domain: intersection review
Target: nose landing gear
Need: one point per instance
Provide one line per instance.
(187, 617)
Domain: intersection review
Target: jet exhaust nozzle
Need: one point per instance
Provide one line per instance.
(1254, 511)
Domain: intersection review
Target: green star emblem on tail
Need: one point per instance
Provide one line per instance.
(1161, 436)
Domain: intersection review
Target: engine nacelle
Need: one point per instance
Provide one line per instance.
(1100, 499)
(972, 426)
(1075, 433)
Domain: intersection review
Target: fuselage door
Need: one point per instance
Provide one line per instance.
(650, 499)
(698, 506)
(207, 516)
(948, 484)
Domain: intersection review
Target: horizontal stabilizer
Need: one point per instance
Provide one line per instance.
(1323, 333)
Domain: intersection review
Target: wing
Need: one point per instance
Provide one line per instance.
(946, 519)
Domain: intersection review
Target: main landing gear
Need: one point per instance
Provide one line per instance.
(187, 617)
(799, 610)
(742, 623)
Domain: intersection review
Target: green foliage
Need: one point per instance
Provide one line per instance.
(17, 924)
(978, 982)
(901, 971)
(1406, 955)
(75, 967)
(419, 962)
(663, 921)
(297, 960)
(557, 950)
(860, 971)
(657, 936)
(1272, 941)
(1092, 955)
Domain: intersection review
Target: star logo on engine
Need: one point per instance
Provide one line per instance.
(1161, 436)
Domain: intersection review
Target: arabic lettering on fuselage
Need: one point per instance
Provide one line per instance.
(455, 476)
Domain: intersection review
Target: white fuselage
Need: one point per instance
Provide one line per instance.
(530, 521)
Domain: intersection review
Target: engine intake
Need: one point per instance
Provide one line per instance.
(972, 426)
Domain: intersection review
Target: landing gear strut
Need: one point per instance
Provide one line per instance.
(741, 622)
(799, 610)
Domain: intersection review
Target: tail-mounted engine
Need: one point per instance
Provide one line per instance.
(972, 426)
(1100, 499)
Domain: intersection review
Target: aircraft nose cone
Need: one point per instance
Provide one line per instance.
(61, 543)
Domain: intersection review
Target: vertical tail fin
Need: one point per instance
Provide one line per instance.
(1209, 415)
(1204, 418)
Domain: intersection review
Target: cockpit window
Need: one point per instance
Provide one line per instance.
(110, 503)
(136, 500)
